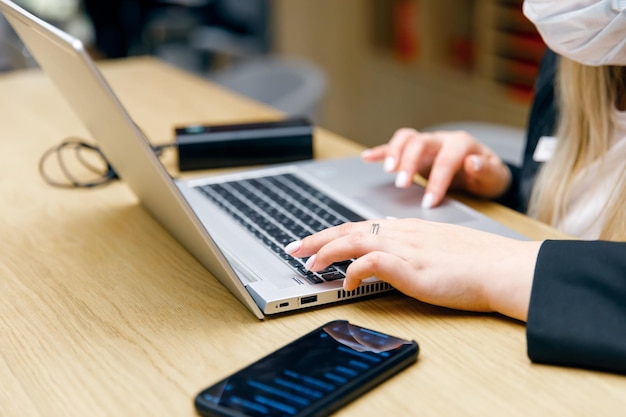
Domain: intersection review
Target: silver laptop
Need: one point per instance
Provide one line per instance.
(236, 225)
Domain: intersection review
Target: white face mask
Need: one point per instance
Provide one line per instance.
(591, 32)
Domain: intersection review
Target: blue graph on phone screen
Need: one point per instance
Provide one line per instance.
(292, 378)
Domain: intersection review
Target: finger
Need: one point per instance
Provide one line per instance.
(375, 154)
(414, 157)
(356, 246)
(387, 267)
(486, 175)
(396, 146)
(310, 245)
(390, 236)
(446, 165)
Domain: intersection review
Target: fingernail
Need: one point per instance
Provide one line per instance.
(402, 179)
(345, 284)
(366, 153)
(309, 263)
(390, 164)
(477, 163)
(427, 201)
(293, 246)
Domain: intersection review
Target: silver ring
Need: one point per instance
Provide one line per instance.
(374, 228)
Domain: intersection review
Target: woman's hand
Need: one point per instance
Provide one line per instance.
(442, 264)
(447, 159)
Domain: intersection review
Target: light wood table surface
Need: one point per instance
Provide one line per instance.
(103, 313)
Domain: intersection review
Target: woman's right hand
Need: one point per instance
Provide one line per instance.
(447, 159)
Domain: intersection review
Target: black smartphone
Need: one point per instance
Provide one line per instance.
(311, 376)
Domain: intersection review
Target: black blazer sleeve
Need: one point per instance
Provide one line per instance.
(577, 314)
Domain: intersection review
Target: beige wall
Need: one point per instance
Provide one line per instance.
(370, 92)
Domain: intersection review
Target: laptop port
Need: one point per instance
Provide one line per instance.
(308, 300)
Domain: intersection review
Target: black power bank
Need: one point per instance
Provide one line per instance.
(242, 144)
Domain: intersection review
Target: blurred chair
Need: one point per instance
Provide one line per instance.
(197, 34)
(232, 48)
(295, 87)
(506, 141)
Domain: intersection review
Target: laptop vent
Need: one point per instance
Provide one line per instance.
(364, 289)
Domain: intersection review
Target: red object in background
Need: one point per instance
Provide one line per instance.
(462, 53)
(406, 41)
(523, 94)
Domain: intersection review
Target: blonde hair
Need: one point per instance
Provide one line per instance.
(588, 97)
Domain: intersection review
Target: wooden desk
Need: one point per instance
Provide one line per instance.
(103, 313)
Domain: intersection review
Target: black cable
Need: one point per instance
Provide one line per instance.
(105, 175)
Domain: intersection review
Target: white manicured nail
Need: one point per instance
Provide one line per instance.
(477, 163)
(390, 164)
(293, 246)
(402, 179)
(366, 153)
(427, 201)
(309, 263)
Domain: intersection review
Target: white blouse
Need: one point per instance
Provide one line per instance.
(593, 187)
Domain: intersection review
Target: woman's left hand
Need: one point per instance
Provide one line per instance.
(442, 264)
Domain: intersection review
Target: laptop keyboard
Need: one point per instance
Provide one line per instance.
(279, 209)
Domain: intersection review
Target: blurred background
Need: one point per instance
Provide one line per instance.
(362, 68)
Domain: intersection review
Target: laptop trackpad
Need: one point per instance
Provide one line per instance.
(376, 195)
(390, 201)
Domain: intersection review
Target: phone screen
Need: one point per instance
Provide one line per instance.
(314, 375)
